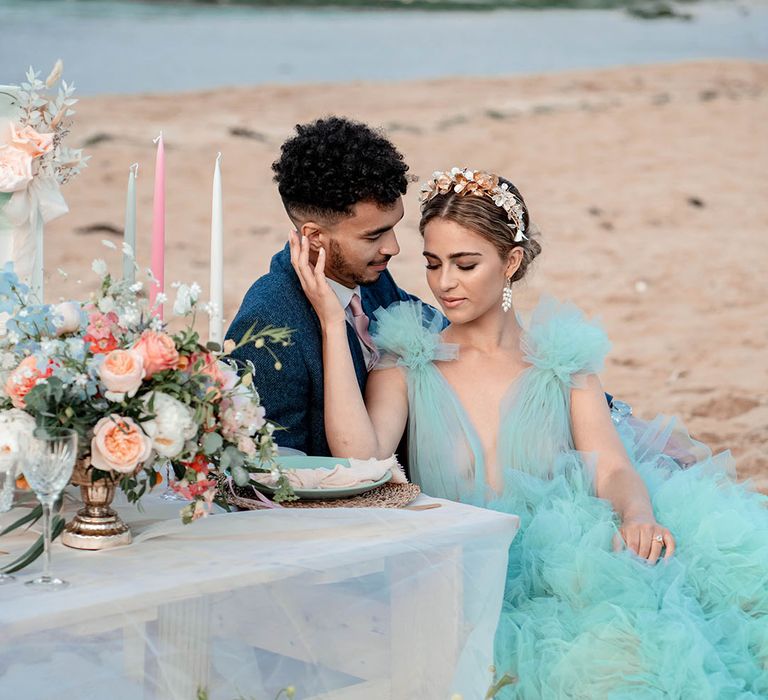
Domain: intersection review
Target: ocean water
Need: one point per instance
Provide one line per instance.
(129, 47)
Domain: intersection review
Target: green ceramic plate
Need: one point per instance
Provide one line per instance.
(306, 462)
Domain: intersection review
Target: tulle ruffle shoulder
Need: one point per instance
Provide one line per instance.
(407, 333)
(562, 340)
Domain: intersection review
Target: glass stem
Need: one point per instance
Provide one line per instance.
(46, 540)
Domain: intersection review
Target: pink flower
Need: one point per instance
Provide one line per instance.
(101, 326)
(31, 141)
(198, 488)
(119, 445)
(15, 169)
(122, 372)
(246, 445)
(100, 331)
(23, 379)
(229, 376)
(158, 350)
(241, 416)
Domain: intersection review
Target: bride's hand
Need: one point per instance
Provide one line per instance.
(646, 538)
(321, 296)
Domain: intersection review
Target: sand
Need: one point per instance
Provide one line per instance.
(650, 186)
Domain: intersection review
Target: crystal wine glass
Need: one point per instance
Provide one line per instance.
(48, 462)
(169, 494)
(9, 462)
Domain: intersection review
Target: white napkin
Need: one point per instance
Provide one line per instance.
(359, 471)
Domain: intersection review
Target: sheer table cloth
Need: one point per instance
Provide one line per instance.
(340, 603)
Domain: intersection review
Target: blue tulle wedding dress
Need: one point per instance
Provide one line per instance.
(580, 620)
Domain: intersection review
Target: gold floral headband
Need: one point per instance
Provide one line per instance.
(479, 184)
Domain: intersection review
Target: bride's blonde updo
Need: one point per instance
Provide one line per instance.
(487, 204)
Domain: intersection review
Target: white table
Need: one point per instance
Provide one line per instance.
(367, 604)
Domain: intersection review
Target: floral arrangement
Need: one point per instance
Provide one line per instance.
(33, 145)
(465, 181)
(35, 118)
(139, 396)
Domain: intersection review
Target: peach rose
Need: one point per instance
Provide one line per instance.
(122, 372)
(15, 169)
(23, 379)
(31, 141)
(119, 445)
(158, 350)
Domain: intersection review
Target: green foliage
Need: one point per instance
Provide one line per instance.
(497, 685)
(36, 550)
(33, 516)
(284, 490)
(212, 443)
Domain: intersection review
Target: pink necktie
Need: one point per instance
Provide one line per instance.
(361, 322)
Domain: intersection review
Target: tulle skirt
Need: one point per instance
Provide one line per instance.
(581, 620)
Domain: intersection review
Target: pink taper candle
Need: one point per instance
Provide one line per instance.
(158, 227)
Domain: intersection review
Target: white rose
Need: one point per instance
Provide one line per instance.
(16, 427)
(173, 425)
(69, 314)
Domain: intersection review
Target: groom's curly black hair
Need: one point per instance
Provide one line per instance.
(333, 163)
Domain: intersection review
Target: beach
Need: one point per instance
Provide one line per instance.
(649, 185)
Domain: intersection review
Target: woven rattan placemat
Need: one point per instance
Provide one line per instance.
(387, 496)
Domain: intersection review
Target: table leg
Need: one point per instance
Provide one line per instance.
(183, 649)
(426, 622)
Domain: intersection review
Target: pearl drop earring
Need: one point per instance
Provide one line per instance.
(506, 295)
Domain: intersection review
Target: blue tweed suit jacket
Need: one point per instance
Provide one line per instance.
(293, 396)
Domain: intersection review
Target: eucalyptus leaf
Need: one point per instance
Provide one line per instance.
(57, 526)
(212, 443)
(235, 457)
(35, 514)
(241, 476)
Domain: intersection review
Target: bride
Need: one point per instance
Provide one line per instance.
(513, 417)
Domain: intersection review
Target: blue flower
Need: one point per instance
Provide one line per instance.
(33, 321)
(13, 293)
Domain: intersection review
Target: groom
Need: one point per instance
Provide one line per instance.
(342, 185)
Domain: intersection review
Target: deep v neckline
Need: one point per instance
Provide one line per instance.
(472, 435)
